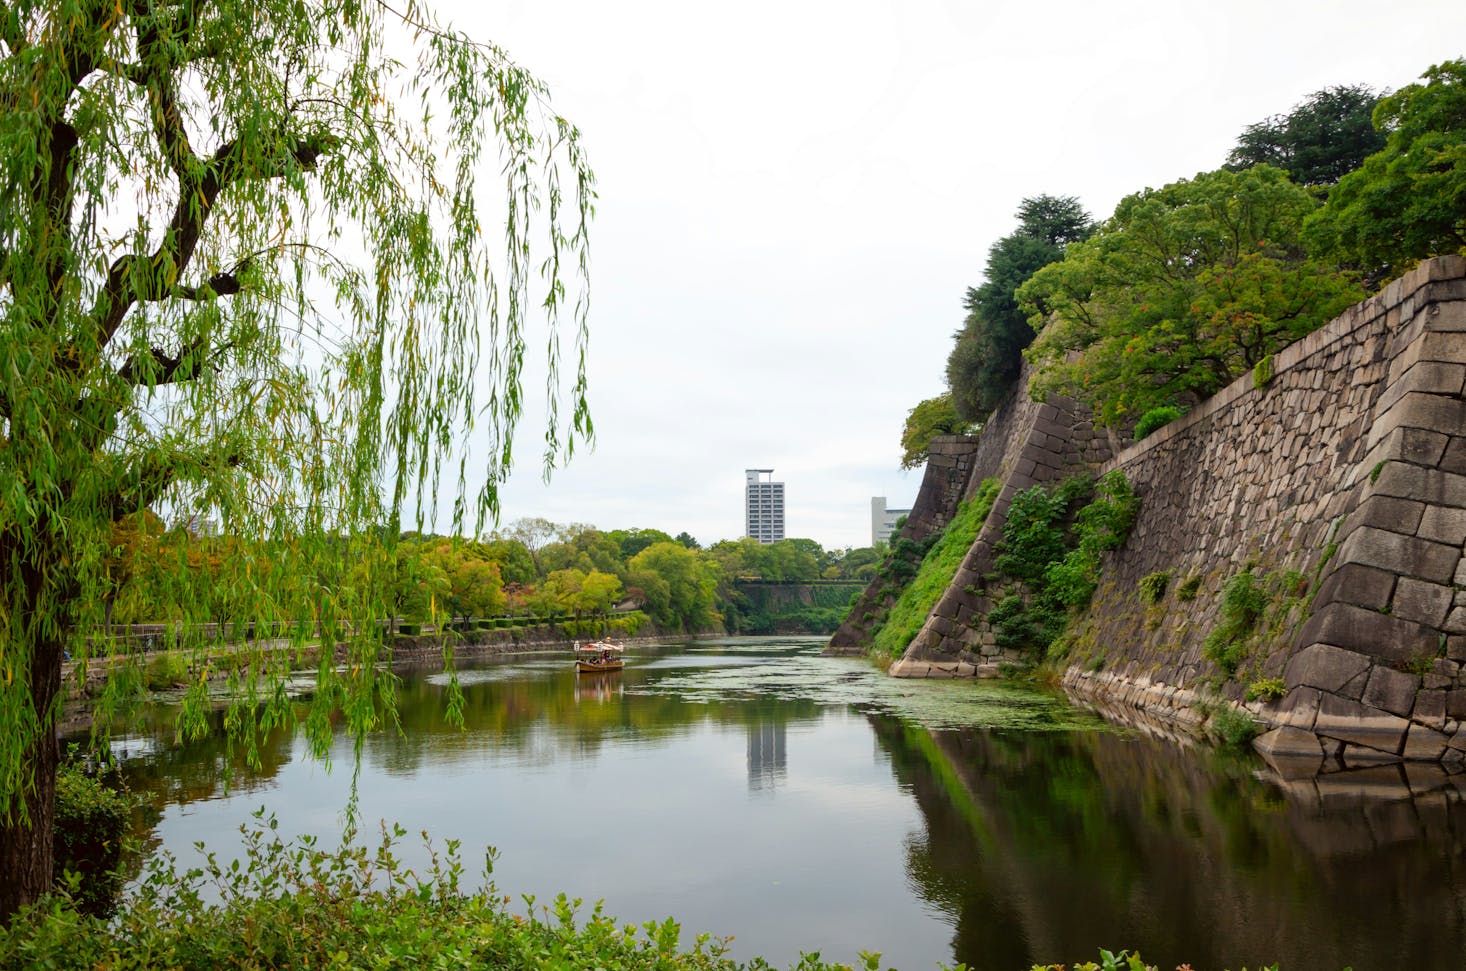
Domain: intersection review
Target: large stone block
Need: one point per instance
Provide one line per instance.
(1443, 524)
(1417, 482)
(1430, 709)
(1350, 721)
(1368, 632)
(1432, 412)
(1404, 555)
(1298, 710)
(1391, 690)
(1354, 583)
(1425, 744)
(1389, 513)
(1324, 667)
(1424, 603)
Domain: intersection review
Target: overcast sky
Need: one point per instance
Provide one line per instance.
(794, 197)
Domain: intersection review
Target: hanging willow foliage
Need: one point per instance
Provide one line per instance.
(246, 276)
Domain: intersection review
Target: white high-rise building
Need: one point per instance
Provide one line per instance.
(763, 506)
(883, 520)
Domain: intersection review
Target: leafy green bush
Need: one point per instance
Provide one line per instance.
(1266, 689)
(91, 836)
(165, 670)
(1243, 601)
(939, 565)
(1189, 588)
(1153, 586)
(295, 905)
(1232, 727)
(1156, 418)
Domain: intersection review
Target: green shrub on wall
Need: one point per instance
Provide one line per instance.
(1156, 418)
(1051, 552)
(935, 574)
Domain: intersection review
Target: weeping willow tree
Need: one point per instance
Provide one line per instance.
(249, 274)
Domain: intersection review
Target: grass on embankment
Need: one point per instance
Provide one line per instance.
(938, 568)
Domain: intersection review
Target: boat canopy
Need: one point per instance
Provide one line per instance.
(598, 646)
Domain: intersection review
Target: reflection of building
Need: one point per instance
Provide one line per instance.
(767, 762)
(883, 520)
(763, 506)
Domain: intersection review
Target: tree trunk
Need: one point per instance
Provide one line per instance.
(26, 841)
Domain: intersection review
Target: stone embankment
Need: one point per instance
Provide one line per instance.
(1335, 476)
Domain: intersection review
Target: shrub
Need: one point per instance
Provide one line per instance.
(296, 905)
(1266, 689)
(1232, 727)
(1156, 418)
(91, 837)
(1153, 586)
(165, 670)
(1243, 601)
(1189, 588)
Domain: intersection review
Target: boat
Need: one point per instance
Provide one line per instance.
(594, 657)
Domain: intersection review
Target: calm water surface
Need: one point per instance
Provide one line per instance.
(798, 803)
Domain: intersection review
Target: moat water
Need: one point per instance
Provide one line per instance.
(752, 789)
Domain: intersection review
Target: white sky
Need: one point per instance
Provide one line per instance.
(795, 196)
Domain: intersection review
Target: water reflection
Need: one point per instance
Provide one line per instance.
(1039, 837)
(1045, 847)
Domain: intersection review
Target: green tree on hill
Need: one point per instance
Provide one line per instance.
(1182, 290)
(930, 418)
(1407, 201)
(1325, 137)
(247, 273)
(988, 350)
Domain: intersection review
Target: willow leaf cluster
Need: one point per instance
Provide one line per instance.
(248, 281)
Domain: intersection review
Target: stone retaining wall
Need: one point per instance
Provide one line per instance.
(1337, 477)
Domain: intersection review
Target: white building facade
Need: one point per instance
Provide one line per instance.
(763, 506)
(883, 520)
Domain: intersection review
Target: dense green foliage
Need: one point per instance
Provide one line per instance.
(932, 417)
(299, 906)
(250, 273)
(1243, 602)
(92, 831)
(1408, 200)
(1048, 561)
(1156, 418)
(1182, 290)
(934, 576)
(988, 350)
(1322, 139)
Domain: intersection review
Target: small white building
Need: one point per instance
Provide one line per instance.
(883, 520)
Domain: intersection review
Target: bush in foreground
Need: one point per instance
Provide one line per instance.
(294, 905)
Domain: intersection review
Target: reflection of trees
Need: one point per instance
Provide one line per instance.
(1044, 847)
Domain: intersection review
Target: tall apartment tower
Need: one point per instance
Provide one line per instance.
(763, 505)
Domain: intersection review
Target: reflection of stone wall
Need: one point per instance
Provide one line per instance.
(1344, 460)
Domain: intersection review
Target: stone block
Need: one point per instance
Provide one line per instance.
(1389, 513)
(1416, 482)
(1391, 690)
(1456, 703)
(1456, 647)
(1454, 457)
(1425, 744)
(1455, 621)
(1351, 721)
(1354, 583)
(1442, 524)
(1290, 744)
(1299, 709)
(1430, 709)
(1432, 412)
(1324, 667)
(1402, 555)
(1424, 603)
(1458, 740)
(1443, 346)
(1368, 632)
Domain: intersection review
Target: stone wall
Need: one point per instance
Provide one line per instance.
(1026, 444)
(1336, 477)
(949, 468)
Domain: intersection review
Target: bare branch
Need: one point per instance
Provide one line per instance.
(159, 368)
